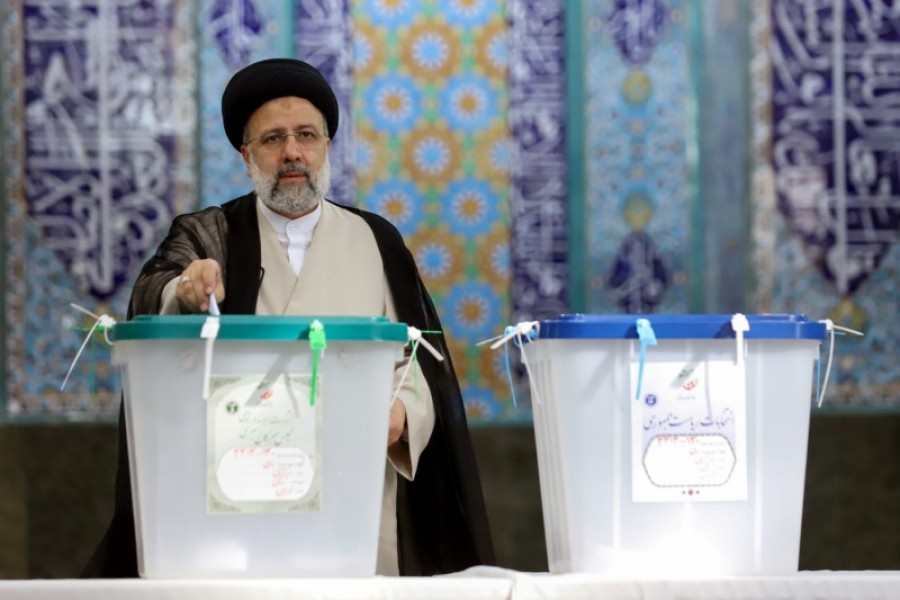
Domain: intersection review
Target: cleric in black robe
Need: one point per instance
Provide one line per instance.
(441, 520)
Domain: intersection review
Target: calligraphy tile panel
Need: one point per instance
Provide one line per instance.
(827, 182)
(322, 37)
(233, 34)
(99, 116)
(538, 172)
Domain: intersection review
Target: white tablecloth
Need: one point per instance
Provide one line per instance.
(476, 584)
(863, 585)
(401, 588)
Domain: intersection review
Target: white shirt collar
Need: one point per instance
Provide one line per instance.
(279, 223)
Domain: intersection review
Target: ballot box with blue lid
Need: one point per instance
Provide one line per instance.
(672, 444)
(257, 444)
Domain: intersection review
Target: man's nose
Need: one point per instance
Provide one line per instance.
(292, 148)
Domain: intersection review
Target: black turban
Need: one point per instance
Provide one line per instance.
(256, 84)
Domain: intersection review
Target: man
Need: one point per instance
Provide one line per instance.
(285, 249)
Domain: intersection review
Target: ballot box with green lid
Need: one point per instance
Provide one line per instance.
(672, 444)
(257, 444)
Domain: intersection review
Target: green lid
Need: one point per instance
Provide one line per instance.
(253, 327)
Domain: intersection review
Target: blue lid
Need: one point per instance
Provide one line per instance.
(669, 326)
(253, 327)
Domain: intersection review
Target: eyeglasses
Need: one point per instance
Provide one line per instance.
(307, 138)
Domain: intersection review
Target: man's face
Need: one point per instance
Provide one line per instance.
(291, 174)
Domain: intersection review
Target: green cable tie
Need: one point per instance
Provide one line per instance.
(317, 345)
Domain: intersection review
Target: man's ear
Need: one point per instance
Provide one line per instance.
(245, 154)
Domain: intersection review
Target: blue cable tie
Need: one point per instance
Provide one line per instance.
(647, 338)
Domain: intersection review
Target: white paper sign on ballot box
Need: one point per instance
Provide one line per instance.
(689, 431)
(264, 445)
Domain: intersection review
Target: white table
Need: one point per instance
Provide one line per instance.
(818, 585)
(401, 588)
(476, 584)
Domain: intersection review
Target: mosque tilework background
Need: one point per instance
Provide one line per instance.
(637, 88)
(827, 182)
(98, 112)
(322, 37)
(453, 126)
(233, 34)
(437, 166)
(537, 159)
(430, 103)
(721, 216)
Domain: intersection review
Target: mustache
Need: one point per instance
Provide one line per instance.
(294, 167)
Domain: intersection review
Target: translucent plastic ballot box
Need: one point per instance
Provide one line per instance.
(673, 444)
(257, 444)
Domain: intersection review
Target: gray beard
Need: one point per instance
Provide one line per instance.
(291, 198)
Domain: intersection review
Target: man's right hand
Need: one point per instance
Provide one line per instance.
(200, 279)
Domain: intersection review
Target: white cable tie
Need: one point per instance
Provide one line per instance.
(409, 364)
(829, 327)
(489, 340)
(84, 310)
(847, 329)
(103, 320)
(107, 322)
(415, 335)
(521, 329)
(740, 324)
(532, 382)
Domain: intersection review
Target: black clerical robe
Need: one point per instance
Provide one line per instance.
(441, 520)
